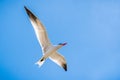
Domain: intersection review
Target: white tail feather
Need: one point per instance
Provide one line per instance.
(40, 63)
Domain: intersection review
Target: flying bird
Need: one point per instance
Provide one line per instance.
(48, 50)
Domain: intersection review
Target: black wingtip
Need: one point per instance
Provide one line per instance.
(25, 7)
(65, 67)
(27, 10)
(30, 14)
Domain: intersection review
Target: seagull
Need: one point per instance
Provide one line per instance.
(48, 50)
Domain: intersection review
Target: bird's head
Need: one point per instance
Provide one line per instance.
(62, 44)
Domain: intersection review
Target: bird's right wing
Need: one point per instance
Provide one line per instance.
(39, 30)
(59, 59)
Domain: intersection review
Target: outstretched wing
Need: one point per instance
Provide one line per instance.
(39, 30)
(59, 59)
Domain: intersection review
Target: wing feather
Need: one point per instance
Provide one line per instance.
(59, 59)
(39, 30)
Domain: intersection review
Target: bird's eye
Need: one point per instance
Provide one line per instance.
(60, 44)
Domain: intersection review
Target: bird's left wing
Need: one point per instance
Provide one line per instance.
(39, 30)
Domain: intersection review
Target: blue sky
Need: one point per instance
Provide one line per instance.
(90, 27)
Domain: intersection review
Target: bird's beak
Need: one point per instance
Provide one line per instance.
(64, 44)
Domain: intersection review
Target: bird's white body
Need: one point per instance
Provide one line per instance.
(49, 50)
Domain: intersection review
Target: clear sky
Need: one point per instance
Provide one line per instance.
(90, 27)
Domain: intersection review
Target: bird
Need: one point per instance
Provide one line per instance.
(48, 49)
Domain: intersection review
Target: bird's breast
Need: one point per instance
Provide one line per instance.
(49, 51)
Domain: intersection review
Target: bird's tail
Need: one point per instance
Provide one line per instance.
(40, 62)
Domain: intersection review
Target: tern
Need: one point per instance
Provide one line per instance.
(48, 50)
